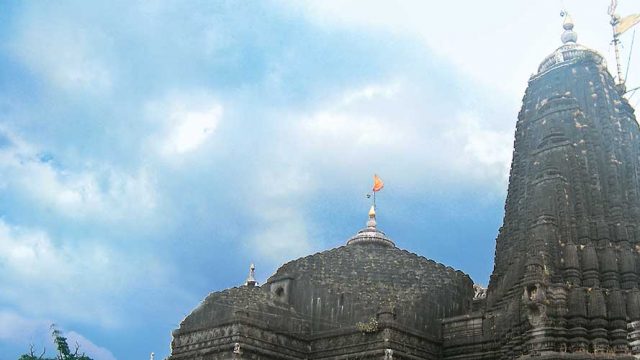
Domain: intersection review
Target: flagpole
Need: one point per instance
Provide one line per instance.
(616, 47)
(377, 185)
(615, 20)
(374, 200)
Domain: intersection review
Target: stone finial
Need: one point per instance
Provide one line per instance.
(251, 280)
(568, 36)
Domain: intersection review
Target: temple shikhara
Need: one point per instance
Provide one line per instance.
(566, 277)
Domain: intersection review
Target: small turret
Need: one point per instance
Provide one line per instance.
(251, 279)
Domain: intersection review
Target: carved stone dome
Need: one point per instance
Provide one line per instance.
(368, 277)
(569, 53)
(355, 283)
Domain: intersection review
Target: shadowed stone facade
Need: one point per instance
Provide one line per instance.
(566, 276)
(367, 299)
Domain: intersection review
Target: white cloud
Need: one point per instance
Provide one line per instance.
(67, 54)
(191, 129)
(188, 120)
(486, 152)
(15, 328)
(349, 127)
(101, 194)
(66, 280)
(485, 40)
(283, 235)
(87, 347)
(283, 183)
(333, 131)
(276, 200)
(401, 135)
(371, 92)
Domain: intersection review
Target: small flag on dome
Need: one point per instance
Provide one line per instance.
(377, 183)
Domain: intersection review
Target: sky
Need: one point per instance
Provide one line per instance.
(150, 150)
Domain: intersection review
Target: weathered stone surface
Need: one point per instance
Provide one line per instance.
(352, 283)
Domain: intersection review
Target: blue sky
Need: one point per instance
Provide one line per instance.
(151, 150)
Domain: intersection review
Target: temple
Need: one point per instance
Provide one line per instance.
(566, 273)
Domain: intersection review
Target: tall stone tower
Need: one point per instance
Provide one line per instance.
(565, 279)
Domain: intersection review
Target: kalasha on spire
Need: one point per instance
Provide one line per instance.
(371, 234)
(568, 36)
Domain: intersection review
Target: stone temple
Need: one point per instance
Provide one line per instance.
(565, 283)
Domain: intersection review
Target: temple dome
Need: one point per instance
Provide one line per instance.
(369, 279)
(369, 276)
(354, 283)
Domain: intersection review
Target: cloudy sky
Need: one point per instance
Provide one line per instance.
(150, 150)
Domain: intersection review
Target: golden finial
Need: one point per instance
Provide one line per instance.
(372, 217)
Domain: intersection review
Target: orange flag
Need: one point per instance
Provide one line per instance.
(377, 183)
(627, 23)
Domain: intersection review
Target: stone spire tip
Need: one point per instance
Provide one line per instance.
(372, 217)
(371, 234)
(568, 36)
(251, 280)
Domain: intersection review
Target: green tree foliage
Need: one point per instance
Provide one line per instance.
(64, 353)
